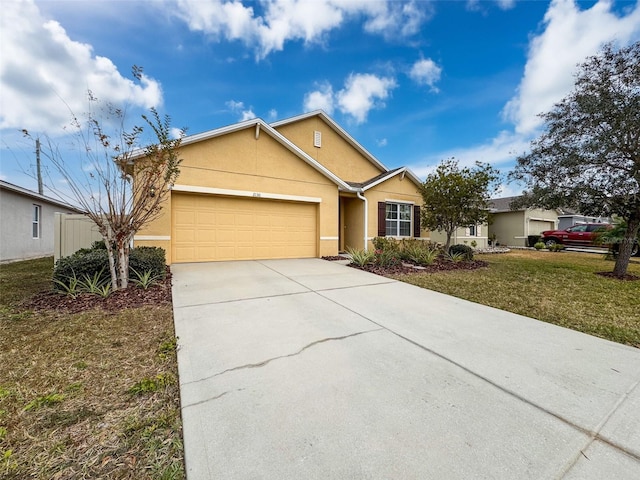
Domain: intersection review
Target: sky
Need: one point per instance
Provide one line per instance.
(414, 82)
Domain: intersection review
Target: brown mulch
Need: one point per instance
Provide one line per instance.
(438, 266)
(333, 258)
(629, 277)
(132, 297)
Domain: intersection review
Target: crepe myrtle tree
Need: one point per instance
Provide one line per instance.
(588, 156)
(100, 176)
(457, 197)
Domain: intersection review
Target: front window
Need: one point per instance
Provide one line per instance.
(398, 220)
(472, 230)
(35, 223)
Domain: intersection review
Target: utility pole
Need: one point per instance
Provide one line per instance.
(40, 189)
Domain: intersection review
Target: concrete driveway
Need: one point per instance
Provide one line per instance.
(308, 369)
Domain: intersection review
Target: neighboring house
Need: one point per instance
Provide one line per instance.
(301, 187)
(512, 227)
(568, 218)
(465, 235)
(27, 223)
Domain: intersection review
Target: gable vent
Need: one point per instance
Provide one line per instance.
(317, 139)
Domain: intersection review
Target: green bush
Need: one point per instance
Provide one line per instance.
(93, 264)
(464, 250)
(539, 245)
(388, 258)
(386, 244)
(360, 257)
(148, 259)
(556, 247)
(418, 251)
(83, 263)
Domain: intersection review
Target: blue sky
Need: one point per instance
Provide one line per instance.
(414, 82)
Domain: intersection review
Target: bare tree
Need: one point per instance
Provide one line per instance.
(101, 182)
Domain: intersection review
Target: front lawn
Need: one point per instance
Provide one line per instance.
(560, 288)
(92, 394)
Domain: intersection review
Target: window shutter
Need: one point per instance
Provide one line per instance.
(467, 232)
(478, 230)
(382, 219)
(416, 221)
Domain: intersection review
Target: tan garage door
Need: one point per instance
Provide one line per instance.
(537, 226)
(207, 228)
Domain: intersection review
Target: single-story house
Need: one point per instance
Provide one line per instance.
(475, 236)
(512, 227)
(27, 223)
(300, 187)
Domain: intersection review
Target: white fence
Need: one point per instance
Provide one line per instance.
(71, 233)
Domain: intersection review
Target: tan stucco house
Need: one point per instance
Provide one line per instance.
(300, 187)
(512, 227)
(474, 236)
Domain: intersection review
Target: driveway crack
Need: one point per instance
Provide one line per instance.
(269, 360)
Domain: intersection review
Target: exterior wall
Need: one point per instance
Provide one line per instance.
(335, 153)
(395, 189)
(513, 228)
(16, 214)
(461, 235)
(73, 232)
(260, 168)
(353, 223)
(509, 228)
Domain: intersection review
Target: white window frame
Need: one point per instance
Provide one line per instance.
(398, 221)
(35, 221)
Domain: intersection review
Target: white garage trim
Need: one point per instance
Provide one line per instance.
(329, 238)
(244, 193)
(152, 237)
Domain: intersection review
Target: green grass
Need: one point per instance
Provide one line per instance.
(66, 407)
(560, 288)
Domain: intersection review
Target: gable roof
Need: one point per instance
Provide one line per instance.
(336, 128)
(504, 204)
(383, 177)
(36, 196)
(260, 125)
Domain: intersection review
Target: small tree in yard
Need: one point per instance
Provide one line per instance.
(455, 197)
(118, 195)
(588, 157)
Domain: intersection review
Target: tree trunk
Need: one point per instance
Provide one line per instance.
(624, 254)
(123, 262)
(112, 262)
(447, 244)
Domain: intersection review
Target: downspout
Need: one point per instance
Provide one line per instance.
(366, 217)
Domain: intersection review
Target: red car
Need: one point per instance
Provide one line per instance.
(582, 235)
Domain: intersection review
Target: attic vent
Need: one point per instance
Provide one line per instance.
(317, 139)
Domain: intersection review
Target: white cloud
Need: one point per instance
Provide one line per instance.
(47, 74)
(273, 114)
(298, 20)
(320, 99)
(239, 109)
(569, 37)
(382, 142)
(426, 72)
(362, 93)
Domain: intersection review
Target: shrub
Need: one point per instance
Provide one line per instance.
(539, 246)
(93, 264)
(418, 251)
(83, 263)
(556, 247)
(387, 258)
(148, 259)
(360, 257)
(464, 250)
(386, 244)
(474, 244)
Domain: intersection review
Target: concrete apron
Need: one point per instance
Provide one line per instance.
(307, 369)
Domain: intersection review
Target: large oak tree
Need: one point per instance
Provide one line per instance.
(588, 156)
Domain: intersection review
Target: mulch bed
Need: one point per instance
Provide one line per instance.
(407, 268)
(132, 297)
(629, 277)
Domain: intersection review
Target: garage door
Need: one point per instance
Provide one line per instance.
(208, 228)
(538, 226)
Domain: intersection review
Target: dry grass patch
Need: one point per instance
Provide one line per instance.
(70, 402)
(560, 288)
